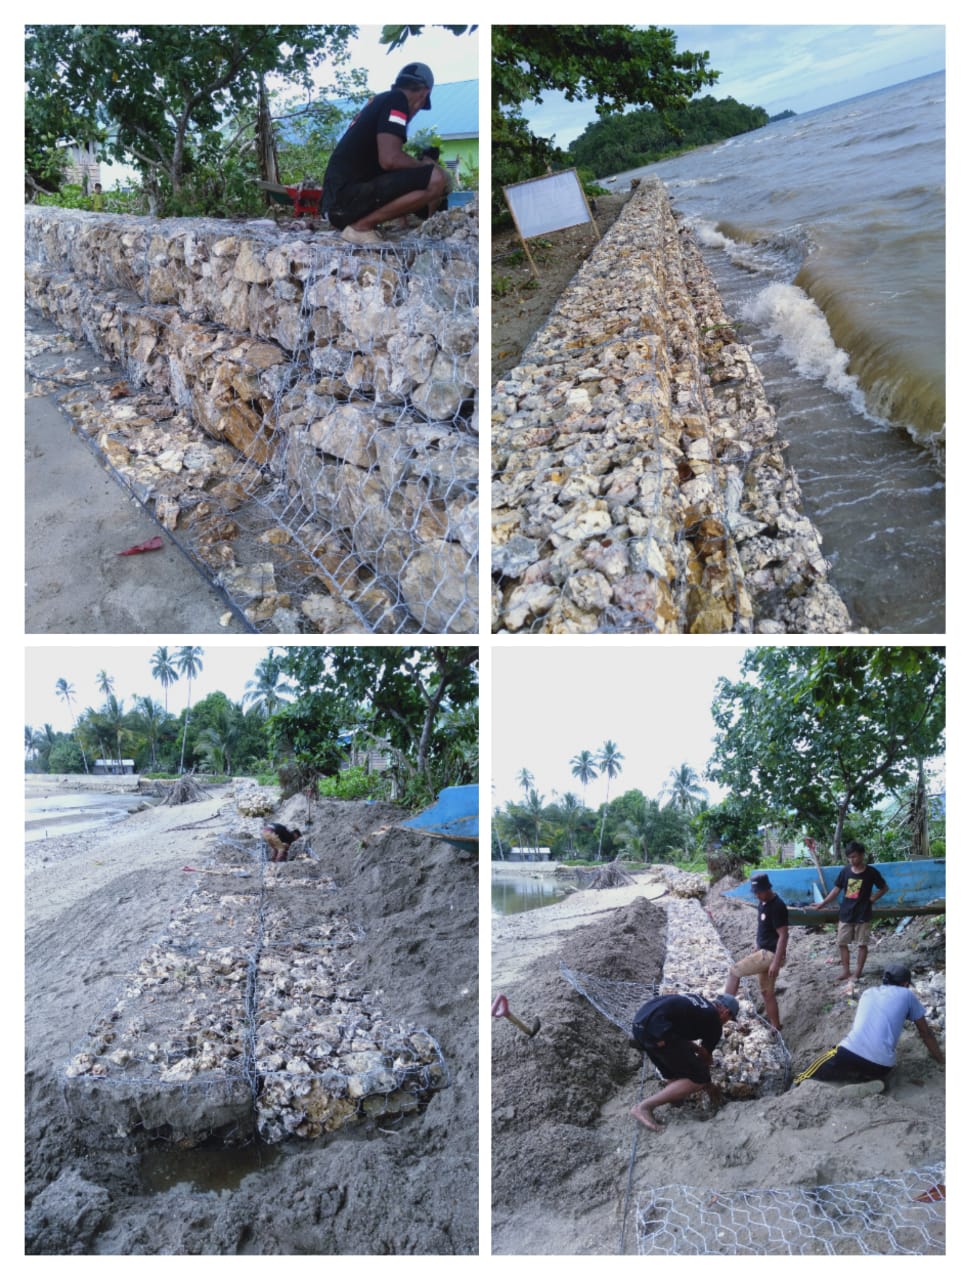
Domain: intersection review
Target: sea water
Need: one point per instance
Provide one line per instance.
(825, 234)
(72, 813)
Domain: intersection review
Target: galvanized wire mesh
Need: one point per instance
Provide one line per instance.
(752, 1058)
(248, 1014)
(300, 413)
(903, 1213)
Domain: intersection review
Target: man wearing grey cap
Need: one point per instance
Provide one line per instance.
(771, 946)
(868, 1052)
(371, 179)
(666, 1029)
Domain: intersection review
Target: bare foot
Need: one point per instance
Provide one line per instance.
(843, 976)
(643, 1113)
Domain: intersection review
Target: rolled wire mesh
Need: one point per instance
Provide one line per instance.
(302, 418)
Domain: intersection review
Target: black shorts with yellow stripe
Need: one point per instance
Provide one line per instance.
(841, 1064)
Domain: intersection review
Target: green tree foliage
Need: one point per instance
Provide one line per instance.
(402, 696)
(641, 828)
(615, 66)
(637, 138)
(814, 734)
(683, 789)
(161, 96)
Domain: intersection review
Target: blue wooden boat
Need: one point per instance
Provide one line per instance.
(452, 817)
(915, 889)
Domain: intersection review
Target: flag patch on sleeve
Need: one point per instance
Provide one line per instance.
(397, 117)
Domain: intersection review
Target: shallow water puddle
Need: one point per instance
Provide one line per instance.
(204, 1168)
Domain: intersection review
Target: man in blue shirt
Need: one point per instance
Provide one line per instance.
(868, 1052)
(371, 179)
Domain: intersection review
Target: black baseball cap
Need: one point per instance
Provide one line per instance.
(760, 882)
(416, 75)
(896, 975)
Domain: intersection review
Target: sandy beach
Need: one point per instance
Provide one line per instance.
(96, 901)
(571, 1166)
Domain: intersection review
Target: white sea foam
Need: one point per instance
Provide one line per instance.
(787, 313)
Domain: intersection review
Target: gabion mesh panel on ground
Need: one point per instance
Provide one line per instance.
(297, 413)
(899, 1214)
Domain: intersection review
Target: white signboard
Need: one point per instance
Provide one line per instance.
(550, 203)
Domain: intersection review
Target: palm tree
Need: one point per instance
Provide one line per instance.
(150, 716)
(584, 768)
(163, 670)
(525, 780)
(534, 805)
(610, 762)
(33, 741)
(113, 720)
(268, 690)
(683, 786)
(571, 810)
(66, 692)
(189, 663)
(106, 683)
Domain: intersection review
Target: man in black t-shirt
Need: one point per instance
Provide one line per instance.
(771, 945)
(856, 883)
(666, 1028)
(371, 178)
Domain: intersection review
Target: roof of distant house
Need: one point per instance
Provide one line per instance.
(454, 111)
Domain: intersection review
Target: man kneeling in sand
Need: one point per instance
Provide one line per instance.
(868, 1052)
(666, 1029)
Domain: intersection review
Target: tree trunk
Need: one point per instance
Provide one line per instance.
(919, 821)
(266, 141)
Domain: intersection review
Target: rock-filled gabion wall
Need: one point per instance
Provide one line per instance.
(297, 411)
(639, 481)
(246, 1016)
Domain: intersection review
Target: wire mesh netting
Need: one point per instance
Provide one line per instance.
(899, 1214)
(752, 1059)
(297, 412)
(639, 482)
(248, 1014)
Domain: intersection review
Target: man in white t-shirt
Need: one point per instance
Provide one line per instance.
(868, 1052)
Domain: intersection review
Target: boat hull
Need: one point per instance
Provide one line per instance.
(453, 817)
(915, 889)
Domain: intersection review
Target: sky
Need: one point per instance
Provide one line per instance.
(223, 668)
(653, 701)
(450, 57)
(781, 67)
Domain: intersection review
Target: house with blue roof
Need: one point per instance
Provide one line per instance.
(454, 118)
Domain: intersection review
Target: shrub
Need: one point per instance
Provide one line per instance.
(354, 784)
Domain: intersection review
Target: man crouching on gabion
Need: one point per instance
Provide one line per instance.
(666, 1030)
(371, 179)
